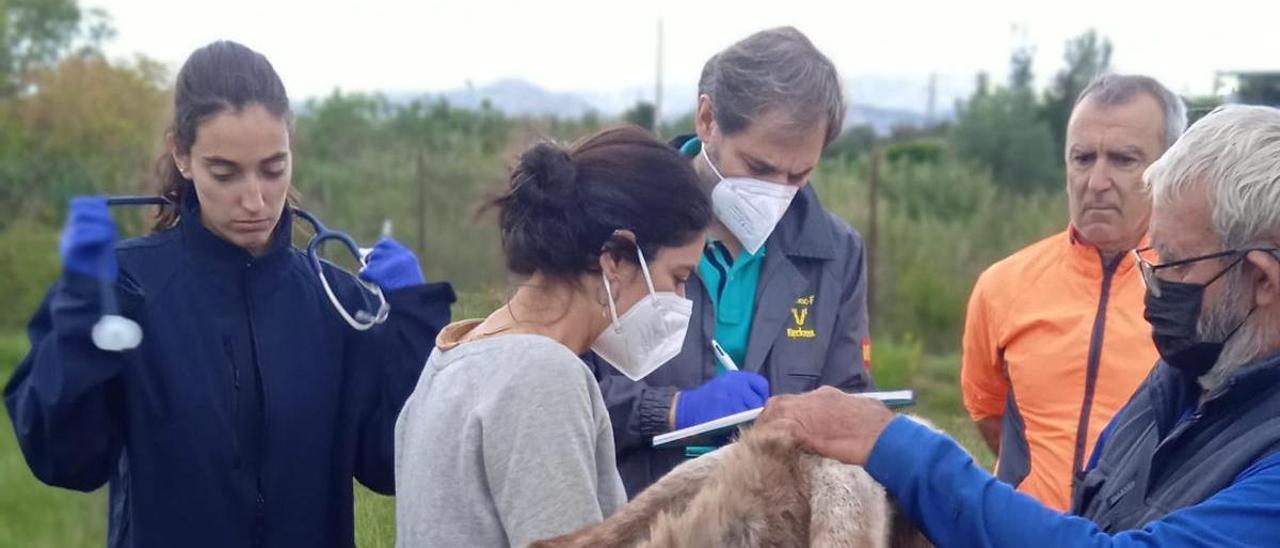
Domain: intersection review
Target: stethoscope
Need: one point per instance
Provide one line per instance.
(116, 333)
(362, 320)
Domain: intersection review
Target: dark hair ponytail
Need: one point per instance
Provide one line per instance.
(564, 205)
(222, 76)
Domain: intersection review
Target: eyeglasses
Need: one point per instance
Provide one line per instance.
(1152, 282)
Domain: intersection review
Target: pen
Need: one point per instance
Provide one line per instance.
(723, 357)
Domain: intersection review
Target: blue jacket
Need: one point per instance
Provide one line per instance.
(958, 504)
(247, 410)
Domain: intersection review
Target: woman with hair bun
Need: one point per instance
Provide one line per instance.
(506, 439)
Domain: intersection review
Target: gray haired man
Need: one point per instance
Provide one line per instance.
(782, 286)
(1054, 340)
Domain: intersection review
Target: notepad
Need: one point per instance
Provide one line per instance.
(714, 432)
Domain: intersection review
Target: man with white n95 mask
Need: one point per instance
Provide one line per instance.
(781, 285)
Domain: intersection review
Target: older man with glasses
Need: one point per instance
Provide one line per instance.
(1193, 459)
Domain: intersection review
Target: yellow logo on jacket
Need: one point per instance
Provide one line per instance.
(800, 313)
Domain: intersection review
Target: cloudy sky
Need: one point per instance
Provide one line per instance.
(426, 45)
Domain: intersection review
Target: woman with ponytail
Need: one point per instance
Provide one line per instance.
(249, 405)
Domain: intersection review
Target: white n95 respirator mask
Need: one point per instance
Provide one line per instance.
(749, 208)
(648, 335)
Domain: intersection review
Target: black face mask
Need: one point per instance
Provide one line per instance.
(1174, 317)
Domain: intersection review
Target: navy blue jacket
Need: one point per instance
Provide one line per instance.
(246, 411)
(1171, 447)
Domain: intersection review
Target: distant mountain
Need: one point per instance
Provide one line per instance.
(881, 102)
(883, 120)
(512, 96)
(900, 93)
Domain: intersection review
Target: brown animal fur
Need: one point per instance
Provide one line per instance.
(761, 491)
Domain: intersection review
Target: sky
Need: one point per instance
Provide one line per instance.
(570, 45)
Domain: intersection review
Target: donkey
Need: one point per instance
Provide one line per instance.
(761, 491)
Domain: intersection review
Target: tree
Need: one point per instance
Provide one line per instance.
(1002, 130)
(33, 34)
(91, 126)
(982, 84)
(683, 125)
(642, 114)
(1198, 106)
(1259, 88)
(1020, 75)
(853, 143)
(1087, 56)
(338, 124)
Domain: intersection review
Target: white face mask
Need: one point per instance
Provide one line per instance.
(749, 208)
(648, 335)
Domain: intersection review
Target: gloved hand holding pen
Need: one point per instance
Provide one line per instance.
(730, 392)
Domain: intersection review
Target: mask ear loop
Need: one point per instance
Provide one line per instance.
(1246, 316)
(644, 267)
(608, 289)
(613, 309)
(709, 164)
(1239, 325)
(1233, 264)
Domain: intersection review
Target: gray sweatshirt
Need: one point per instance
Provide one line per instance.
(505, 441)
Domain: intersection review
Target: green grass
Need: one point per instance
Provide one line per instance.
(33, 515)
(937, 386)
(375, 519)
(903, 363)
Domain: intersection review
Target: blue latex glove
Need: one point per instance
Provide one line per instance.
(730, 392)
(89, 239)
(392, 266)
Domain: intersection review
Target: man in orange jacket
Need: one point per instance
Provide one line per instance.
(1055, 342)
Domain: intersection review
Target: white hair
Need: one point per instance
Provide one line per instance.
(1233, 153)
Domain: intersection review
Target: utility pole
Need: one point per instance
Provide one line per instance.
(420, 174)
(657, 86)
(873, 181)
(930, 109)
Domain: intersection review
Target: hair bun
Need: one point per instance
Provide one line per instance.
(546, 175)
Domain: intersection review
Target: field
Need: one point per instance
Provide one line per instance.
(33, 515)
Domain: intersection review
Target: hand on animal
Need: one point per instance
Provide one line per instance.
(829, 422)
